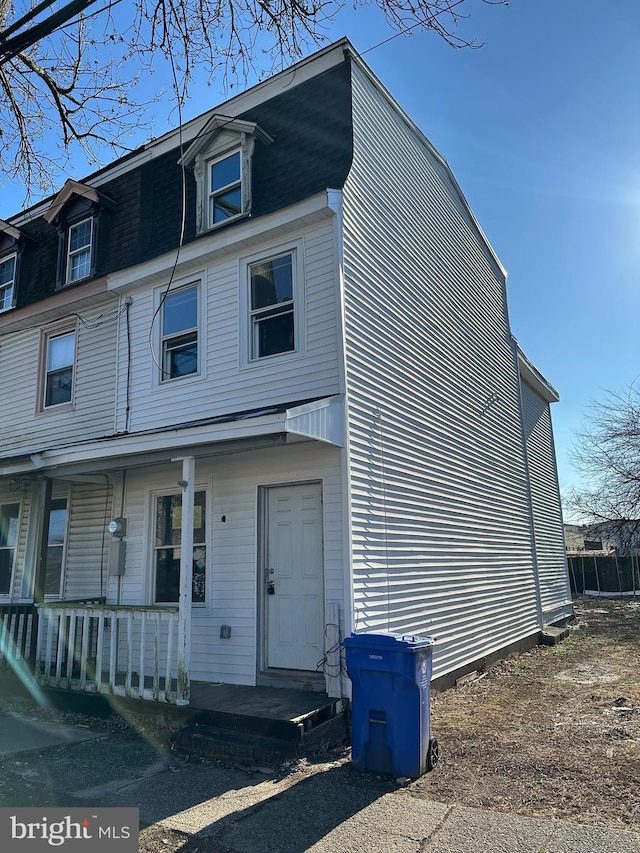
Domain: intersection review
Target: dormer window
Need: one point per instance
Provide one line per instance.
(225, 188)
(221, 158)
(11, 247)
(7, 282)
(76, 211)
(79, 250)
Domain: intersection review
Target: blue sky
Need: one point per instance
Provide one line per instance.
(541, 127)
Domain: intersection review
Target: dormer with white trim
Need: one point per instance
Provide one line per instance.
(11, 245)
(221, 158)
(76, 210)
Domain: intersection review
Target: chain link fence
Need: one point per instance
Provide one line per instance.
(604, 574)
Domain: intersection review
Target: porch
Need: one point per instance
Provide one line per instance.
(94, 649)
(132, 651)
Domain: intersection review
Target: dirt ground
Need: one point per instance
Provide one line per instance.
(553, 732)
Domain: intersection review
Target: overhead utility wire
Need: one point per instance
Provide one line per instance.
(10, 48)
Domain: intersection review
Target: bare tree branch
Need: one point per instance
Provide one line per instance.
(63, 65)
(607, 453)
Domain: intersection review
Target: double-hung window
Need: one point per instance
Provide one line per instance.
(272, 311)
(180, 332)
(7, 282)
(9, 516)
(221, 157)
(225, 188)
(59, 362)
(167, 552)
(79, 240)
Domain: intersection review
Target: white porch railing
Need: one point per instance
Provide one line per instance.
(102, 648)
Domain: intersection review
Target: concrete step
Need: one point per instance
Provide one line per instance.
(552, 635)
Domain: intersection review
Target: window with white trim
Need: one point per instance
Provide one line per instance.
(56, 544)
(7, 281)
(79, 247)
(224, 178)
(167, 551)
(59, 355)
(9, 519)
(221, 157)
(272, 305)
(180, 332)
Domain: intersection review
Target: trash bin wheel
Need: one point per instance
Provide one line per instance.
(433, 753)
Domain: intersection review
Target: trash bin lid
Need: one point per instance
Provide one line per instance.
(388, 641)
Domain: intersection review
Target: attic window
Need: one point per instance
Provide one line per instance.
(11, 247)
(7, 282)
(79, 250)
(76, 211)
(221, 158)
(225, 188)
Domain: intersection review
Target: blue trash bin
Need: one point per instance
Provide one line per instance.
(390, 720)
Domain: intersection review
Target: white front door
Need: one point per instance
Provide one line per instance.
(293, 581)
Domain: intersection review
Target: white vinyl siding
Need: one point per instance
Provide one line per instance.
(232, 546)
(551, 556)
(84, 570)
(94, 392)
(22, 496)
(441, 524)
(227, 384)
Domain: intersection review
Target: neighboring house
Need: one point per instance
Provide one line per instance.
(226, 446)
(583, 537)
(621, 535)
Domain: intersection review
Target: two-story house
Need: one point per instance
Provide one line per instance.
(259, 390)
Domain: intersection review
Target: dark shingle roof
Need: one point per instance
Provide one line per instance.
(312, 150)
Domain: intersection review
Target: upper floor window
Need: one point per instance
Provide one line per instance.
(7, 282)
(59, 355)
(180, 332)
(272, 308)
(9, 518)
(79, 240)
(225, 188)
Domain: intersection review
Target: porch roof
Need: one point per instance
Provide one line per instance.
(318, 419)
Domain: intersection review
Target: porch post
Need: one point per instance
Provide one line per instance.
(186, 578)
(44, 510)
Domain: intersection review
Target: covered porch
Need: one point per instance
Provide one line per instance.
(87, 650)
(91, 615)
